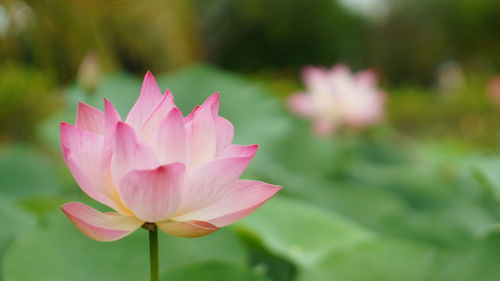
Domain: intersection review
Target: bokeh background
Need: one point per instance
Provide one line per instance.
(415, 197)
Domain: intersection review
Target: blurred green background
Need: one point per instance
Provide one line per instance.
(414, 198)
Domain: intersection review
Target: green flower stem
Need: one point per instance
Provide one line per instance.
(153, 253)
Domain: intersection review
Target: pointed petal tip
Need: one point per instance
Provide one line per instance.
(65, 132)
(192, 113)
(150, 81)
(80, 104)
(64, 125)
(150, 78)
(275, 188)
(65, 205)
(179, 167)
(149, 98)
(175, 110)
(251, 150)
(89, 118)
(212, 102)
(121, 125)
(67, 208)
(84, 107)
(110, 108)
(271, 186)
(235, 150)
(215, 98)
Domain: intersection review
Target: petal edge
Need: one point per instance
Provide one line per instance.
(187, 229)
(244, 197)
(104, 227)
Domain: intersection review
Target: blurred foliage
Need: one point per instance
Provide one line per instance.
(406, 43)
(418, 35)
(256, 35)
(56, 34)
(401, 209)
(24, 172)
(26, 98)
(410, 43)
(466, 114)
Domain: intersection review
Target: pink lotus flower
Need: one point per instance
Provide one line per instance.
(181, 173)
(336, 97)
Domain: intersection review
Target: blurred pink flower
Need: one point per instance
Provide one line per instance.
(336, 97)
(494, 89)
(181, 173)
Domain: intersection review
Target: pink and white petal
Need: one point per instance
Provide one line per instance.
(340, 69)
(312, 75)
(148, 100)
(301, 104)
(153, 122)
(201, 135)
(153, 195)
(100, 226)
(111, 117)
(243, 197)
(224, 131)
(169, 142)
(371, 114)
(320, 83)
(342, 81)
(235, 150)
(130, 153)
(89, 118)
(187, 229)
(86, 158)
(209, 182)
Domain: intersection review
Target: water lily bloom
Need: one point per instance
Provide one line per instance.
(157, 166)
(336, 97)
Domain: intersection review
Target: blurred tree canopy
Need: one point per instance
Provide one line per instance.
(418, 35)
(406, 44)
(409, 45)
(55, 35)
(252, 35)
